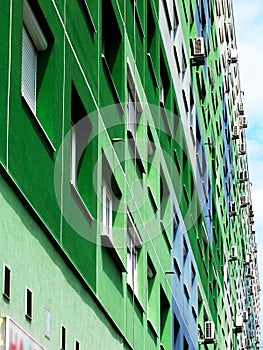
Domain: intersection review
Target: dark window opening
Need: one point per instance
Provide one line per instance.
(7, 282)
(29, 304)
(63, 338)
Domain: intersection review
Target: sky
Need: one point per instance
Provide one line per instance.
(248, 16)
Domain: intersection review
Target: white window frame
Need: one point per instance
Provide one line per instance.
(161, 91)
(73, 157)
(134, 243)
(131, 114)
(106, 219)
(34, 38)
(134, 104)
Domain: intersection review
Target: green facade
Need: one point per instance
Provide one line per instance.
(169, 178)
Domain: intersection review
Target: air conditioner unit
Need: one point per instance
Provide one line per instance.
(249, 272)
(242, 148)
(247, 259)
(233, 255)
(198, 47)
(239, 322)
(252, 334)
(244, 200)
(243, 121)
(232, 208)
(209, 332)
(248, 343)
(240, 108)
(236, 131)
(243, 175)
(245, 316)
(233, 55)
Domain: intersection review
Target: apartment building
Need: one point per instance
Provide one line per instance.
(127, 217)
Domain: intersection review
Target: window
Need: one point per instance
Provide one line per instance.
(73, 154)
(185, 250)
(176, 59)
(47, 324)
(151, 145)
(111, 35)
(133, 244)
(63, 338)
(176, 327)
(176, 267)
(184, 63)
(79, 139)
(164, 82)
(134, 104)
(6, 282)
(131, 114)
(151, 273)
(112, 53)
(186, 292)
(185, 12)
(29, 70)
(175, 20)
(161, 91)
(164, 311)
(33, 40)
(77, 347)
(193, 273)
(186, 346)
(106, 211)
(29, 304)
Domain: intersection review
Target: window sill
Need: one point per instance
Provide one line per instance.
(6, 297)
(152, 328)
(39, 126)
(81, 203)
(136, 299)
(107, 242)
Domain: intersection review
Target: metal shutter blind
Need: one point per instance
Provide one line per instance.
(29, 66)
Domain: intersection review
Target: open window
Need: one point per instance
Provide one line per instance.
(134, 105)
(134, 243)
(106, 210)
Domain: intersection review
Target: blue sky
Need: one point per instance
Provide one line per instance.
(249, 31)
